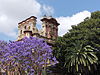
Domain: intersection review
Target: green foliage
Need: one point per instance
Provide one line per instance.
(80, 58)
(87, 33)
(95, 15)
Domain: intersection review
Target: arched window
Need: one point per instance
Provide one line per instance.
(43, 26)
(33, 28)
(29, 27)
(21, 32)
(25, 27)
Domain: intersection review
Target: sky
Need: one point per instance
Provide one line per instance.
(66, 12)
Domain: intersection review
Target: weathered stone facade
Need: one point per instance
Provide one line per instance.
(28, 28)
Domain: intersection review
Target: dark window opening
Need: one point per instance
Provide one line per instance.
(29, 27)
(25, 27)
(21, 32)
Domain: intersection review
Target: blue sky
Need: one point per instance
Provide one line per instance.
(67, 13)
(70, 7)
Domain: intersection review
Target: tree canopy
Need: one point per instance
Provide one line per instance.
(86, 32)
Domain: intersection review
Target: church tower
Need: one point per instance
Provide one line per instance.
(49, 27)
(27, 27)
(49, 30)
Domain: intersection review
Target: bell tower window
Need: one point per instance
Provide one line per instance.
(33, 28)
(29, 27)
(25, 27)
(21, 32)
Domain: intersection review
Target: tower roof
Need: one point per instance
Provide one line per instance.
(50, 20)
(32, 17)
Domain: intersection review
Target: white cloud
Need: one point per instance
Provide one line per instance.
(20, 8)
(48, 10)
(6, 26)
(14, 11)
(67, 22)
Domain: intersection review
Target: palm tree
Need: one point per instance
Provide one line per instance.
(80, 58)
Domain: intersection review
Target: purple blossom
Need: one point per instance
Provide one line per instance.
(26, 54)
(42, 63)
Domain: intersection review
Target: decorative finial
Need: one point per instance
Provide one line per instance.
(45, 15)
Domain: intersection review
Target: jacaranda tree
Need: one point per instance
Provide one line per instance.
(3, 44)
(28, 56)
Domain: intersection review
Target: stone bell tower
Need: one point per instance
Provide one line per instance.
(27, 27)
(49, 30)
(49, 27)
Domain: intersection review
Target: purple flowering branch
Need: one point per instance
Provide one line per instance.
(30, 55)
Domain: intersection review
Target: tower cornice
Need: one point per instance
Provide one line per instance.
(50, 20)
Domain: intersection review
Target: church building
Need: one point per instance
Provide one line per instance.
(49, 29)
